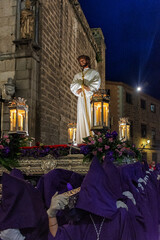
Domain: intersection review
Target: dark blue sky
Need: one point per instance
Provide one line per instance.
(132, 34)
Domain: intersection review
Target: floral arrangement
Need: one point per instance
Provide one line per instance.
(41, 150)
(10, 150)
(104, 144)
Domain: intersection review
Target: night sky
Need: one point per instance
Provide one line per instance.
(132, 35)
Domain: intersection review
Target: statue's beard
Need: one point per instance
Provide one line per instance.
(84, 65)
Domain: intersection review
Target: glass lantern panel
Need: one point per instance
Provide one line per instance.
(97, 114)
(12, 120)
(74, 135)
(92, 118)
(105, 114)
(70, 134)
(26, 122)
(122, 132)
(128, 132)
(21, 120)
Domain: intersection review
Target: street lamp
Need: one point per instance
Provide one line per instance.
(139, 89)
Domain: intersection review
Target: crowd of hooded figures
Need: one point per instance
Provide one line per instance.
(114, 203)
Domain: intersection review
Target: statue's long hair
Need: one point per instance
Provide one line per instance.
(88, 60)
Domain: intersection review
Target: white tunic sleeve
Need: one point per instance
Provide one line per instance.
(94, 83)
(76, 84)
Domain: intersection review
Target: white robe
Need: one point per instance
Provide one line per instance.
(11, 234)
(93, 81)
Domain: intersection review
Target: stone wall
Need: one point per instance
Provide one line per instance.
(18, 60)
(26, 79)
(65, 35)
(7, 35)
(7, 50)
(101, 66)
(43, 71)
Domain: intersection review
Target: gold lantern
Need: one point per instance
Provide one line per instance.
(100, 110)
(124, 129)
(18, 116)
(72, 133)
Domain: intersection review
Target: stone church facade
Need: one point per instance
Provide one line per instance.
(39, 45)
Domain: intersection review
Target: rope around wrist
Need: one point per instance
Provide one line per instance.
(53, 224)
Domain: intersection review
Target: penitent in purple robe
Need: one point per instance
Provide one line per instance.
(139, 192)
(56, 181)
(122, 192)
(22, 208)
(85, 229)
(97, 199)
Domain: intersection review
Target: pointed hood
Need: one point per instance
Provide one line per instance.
(22, 207)
(95, 195)
(17, 173)
(60, 180)
(114, 178)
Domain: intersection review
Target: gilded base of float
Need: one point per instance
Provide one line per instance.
(37, 167)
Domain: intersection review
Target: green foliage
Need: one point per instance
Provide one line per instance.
(10, 150)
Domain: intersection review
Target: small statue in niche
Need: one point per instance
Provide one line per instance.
(27, 21)
(8, 89)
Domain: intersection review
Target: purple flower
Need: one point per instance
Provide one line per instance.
(7, 140)
(110, 140)
(100, 140)
(100, 149)
(114, 134)
(120, 154)
(5, 136)
(123, 149)
(131, 153)
(106, 147)
(109, 156)
(6, 151)
(90, 138)
(119, 146)
(108, 135)
(85, 149)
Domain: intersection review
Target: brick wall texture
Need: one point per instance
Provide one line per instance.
(63, 39)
